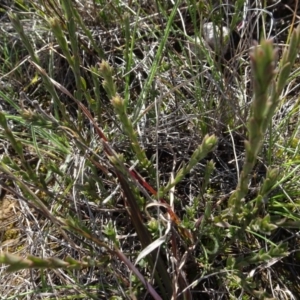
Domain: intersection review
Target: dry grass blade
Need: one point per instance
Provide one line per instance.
(115, 252)
(161, 274)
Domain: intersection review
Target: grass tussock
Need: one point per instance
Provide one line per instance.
(143, 156)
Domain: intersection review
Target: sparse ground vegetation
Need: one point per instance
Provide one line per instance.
(143, 156)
